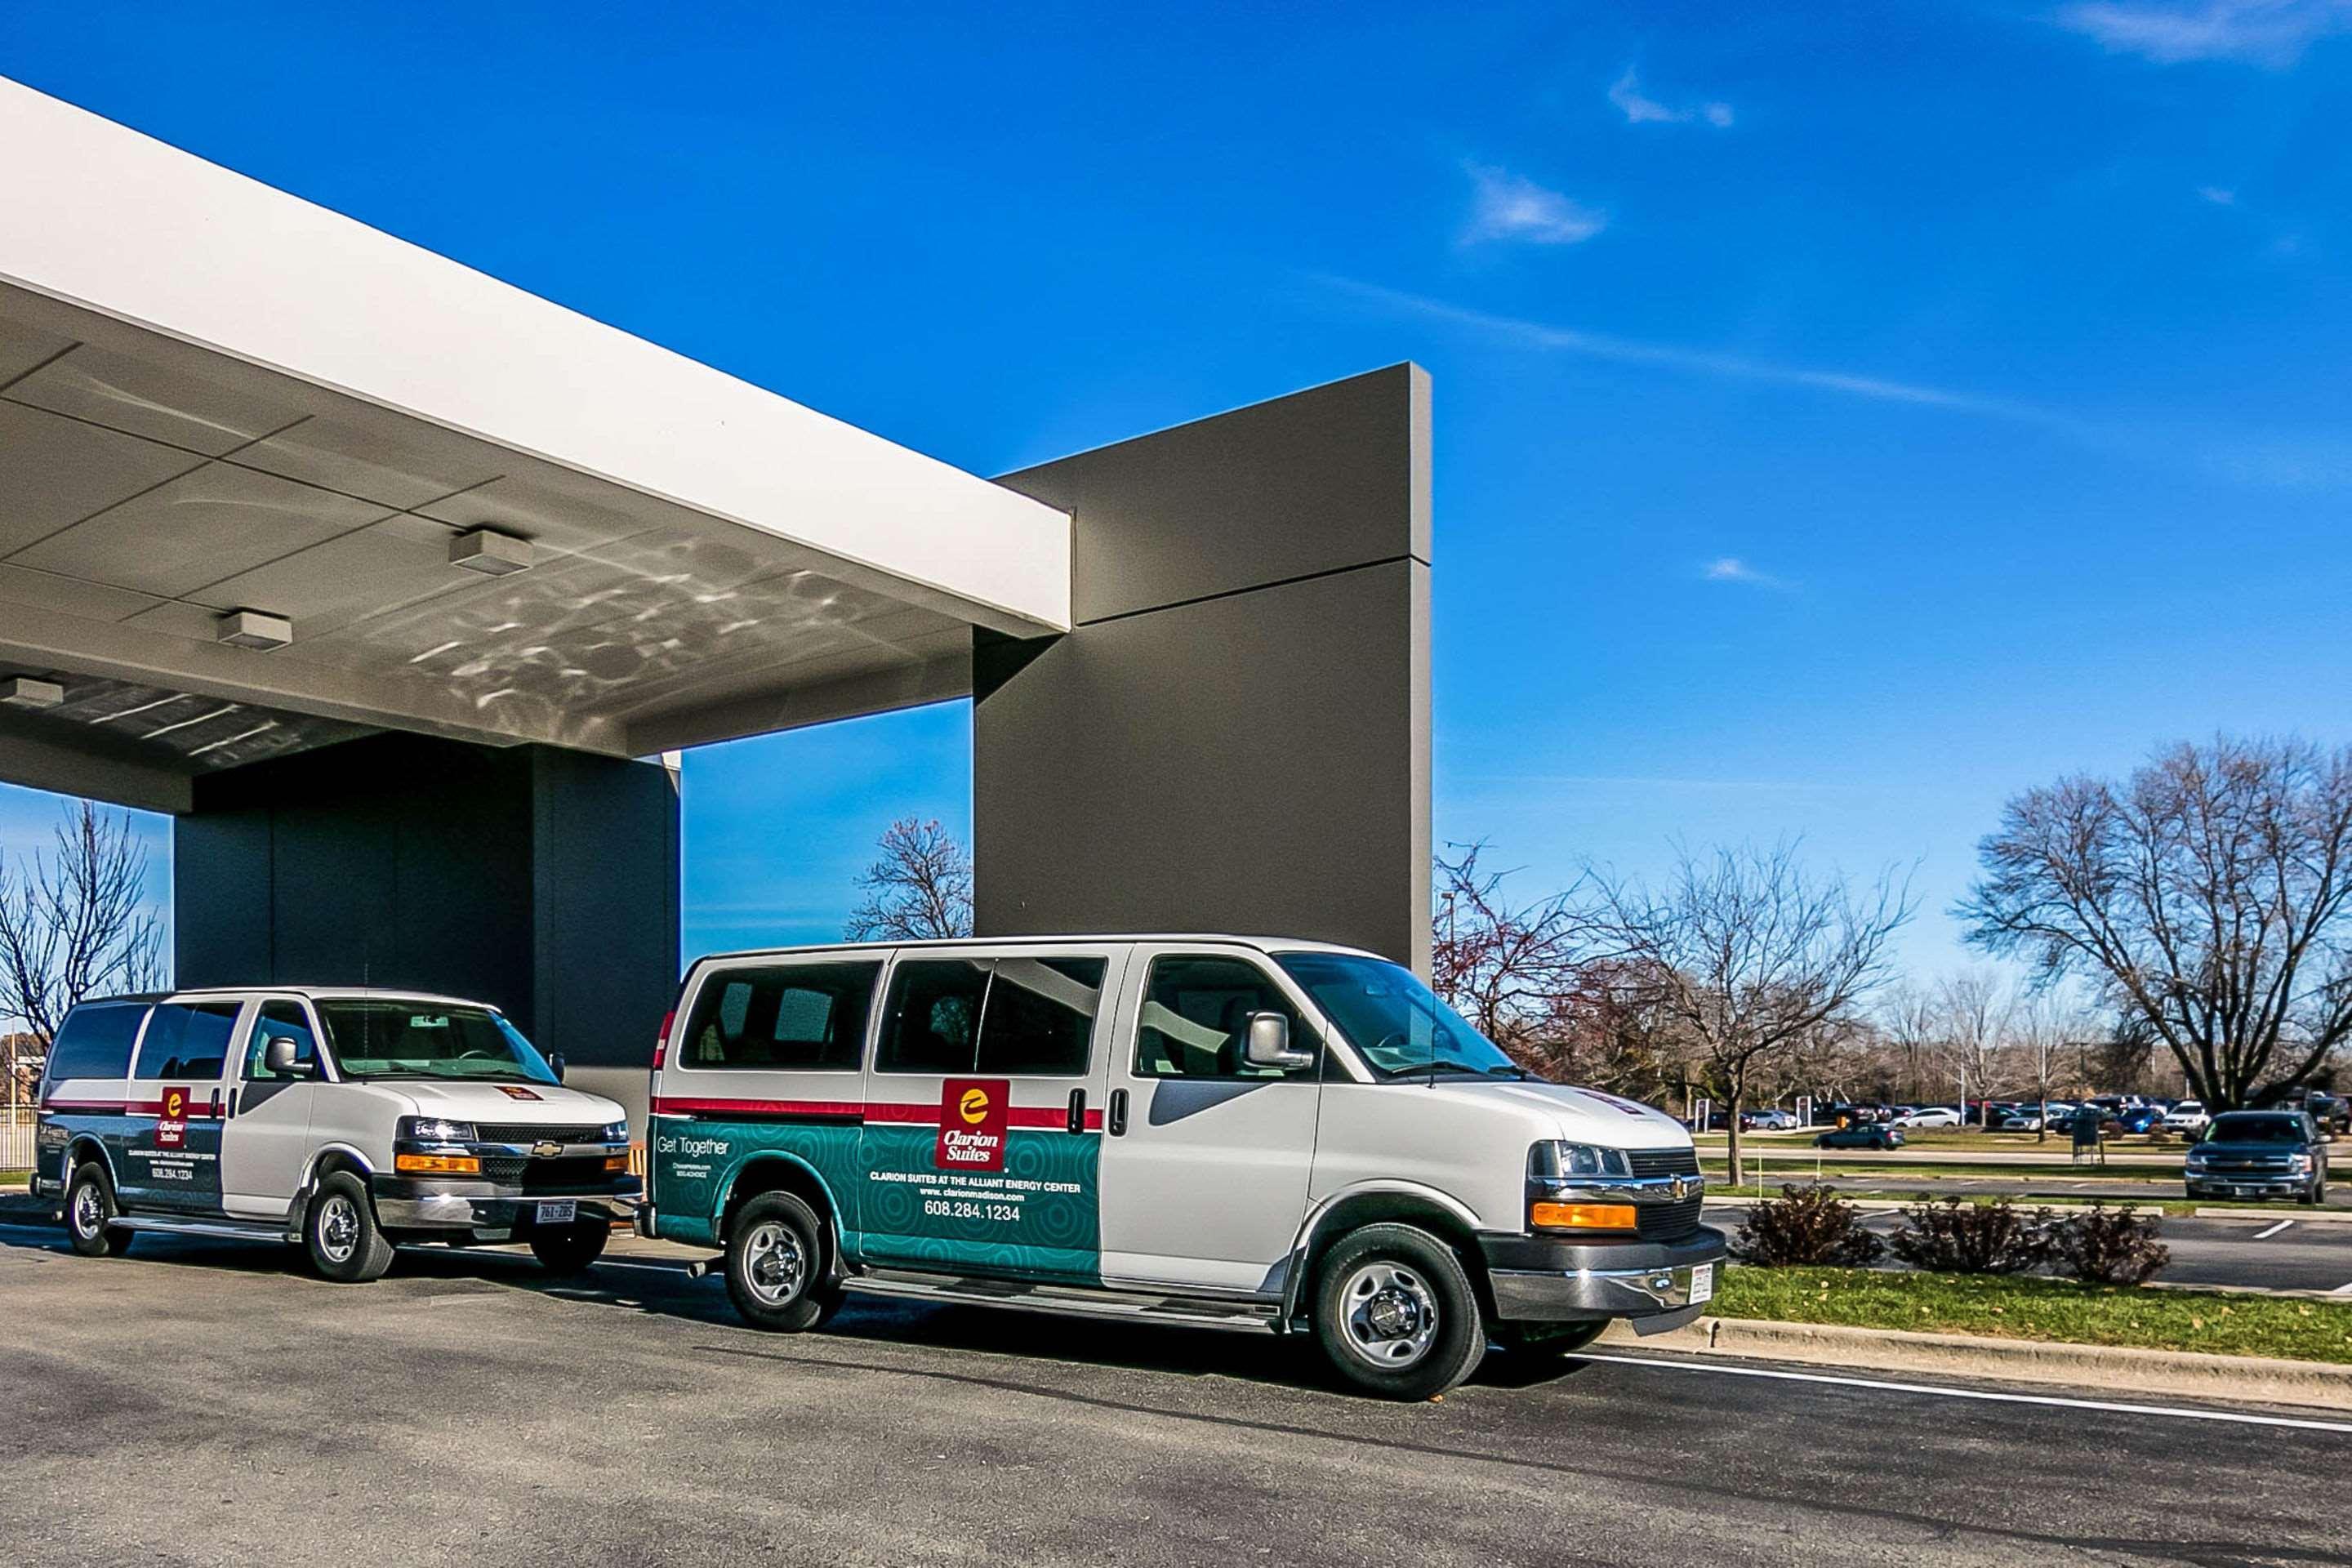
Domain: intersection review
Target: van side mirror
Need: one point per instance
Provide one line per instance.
(1267, 1043)
(278, 1057)
(555, 1065)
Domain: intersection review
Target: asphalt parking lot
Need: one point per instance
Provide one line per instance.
(208, 1403)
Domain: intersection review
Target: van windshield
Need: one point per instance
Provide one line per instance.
(1396, 1024)
(381, 1037)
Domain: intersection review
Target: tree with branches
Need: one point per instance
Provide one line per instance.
(918, 888)
(2204, 898)
(76, 922)
(1507, 967)
(1752, 955)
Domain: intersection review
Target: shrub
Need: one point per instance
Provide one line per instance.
(2101, 1246)
(1953, 1236)
(1805, 1225)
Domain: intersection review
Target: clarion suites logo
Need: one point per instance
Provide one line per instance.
(971, 1125)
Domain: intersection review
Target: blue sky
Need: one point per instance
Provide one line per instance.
(1846, 415)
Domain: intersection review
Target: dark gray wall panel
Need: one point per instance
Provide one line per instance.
(542, 881)
(1333, 476)
(1243, 765)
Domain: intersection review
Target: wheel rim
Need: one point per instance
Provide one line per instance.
(87, 1212)
(775, 1265)
(1389, 1313)
(339, 1228)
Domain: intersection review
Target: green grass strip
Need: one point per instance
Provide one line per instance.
(2031, 1308)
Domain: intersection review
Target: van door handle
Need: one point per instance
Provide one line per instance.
(1077, 1111)
(1117, 1121)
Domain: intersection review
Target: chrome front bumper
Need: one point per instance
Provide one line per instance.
(1585, 1281)
(482, 1206)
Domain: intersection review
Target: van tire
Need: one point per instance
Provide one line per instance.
(340, 1233)
(90, 1211)
(777, 1268)
(568, 1249)
(1395, 1312)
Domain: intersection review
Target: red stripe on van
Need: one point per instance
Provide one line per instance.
(887, 1112)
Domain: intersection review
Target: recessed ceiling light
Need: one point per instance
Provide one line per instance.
(490, 552)
(23, 691)
(255, 629)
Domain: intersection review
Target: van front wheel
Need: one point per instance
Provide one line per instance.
(340, 1233)
(1395, 1313)
(776, 1272)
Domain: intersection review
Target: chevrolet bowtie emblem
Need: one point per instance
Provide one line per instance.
(1681, 1189)
(546, 1150)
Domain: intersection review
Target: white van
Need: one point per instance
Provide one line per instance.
(339, 1121)
(1223, 1131)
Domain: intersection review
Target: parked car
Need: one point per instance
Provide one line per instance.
(2332, 1113)
(2260, 1154)
(1276, 1136)
(1861, 1135)
(2019, 1119)
(1773, 1120)
(339, 1121)
(2140, 1118)
(2186, 1116)
(1930, 1116)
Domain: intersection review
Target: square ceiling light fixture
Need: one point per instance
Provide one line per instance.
(255, 629)
(490, 552)
(24, 691)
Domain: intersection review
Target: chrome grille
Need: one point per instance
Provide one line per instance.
(524, 1133)
(1666, 1222)
(1663, 1162)
(543, 1175)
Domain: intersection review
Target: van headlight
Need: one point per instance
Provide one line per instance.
(434, 1130)
(1555, 1162)
(616, 1131)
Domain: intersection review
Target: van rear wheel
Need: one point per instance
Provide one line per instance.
(90, 1212)
(776, 1265)
(1395, 1313)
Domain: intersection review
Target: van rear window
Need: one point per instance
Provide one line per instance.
(798, 1017)
(95, 1041)
(187, 1040)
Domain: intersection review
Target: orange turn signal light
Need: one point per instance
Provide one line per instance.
(617, 1162)
(438, 1164)
(1581, 1216)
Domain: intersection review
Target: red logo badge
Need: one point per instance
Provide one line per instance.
(971, 1125)
(515, 1091)
(172, 1125)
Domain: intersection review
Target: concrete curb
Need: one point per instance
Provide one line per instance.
(2142, 1376)
(2294, 1212)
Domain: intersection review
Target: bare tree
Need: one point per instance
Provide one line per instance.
(2041, 1032)
(77, 922)
(918, 888)
(1972, 1011)
(1752, 955)
(1909, 1026)
(2205, 896)
(1508, 968)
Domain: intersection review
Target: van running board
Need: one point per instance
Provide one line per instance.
(1188, 1311)
(225, 1229)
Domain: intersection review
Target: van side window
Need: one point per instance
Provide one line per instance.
(1196, 1011)
(932, 1022)
(187, 1039)
(279, 1021)
(95, 1041)
(1040, 1018)
(797, 1018)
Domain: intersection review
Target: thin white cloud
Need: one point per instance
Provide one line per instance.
(1731, 569)
(1505, 207)
(1699, 362)
(2273, 33)
(2218, 196)
(1640, 109)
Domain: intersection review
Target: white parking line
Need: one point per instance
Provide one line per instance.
(2266, 1234)
(2184, 1412)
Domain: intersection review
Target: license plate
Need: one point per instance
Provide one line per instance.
(562, 1212)
(1702, 1284)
